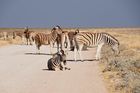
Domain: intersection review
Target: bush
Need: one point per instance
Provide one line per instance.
(125, 70)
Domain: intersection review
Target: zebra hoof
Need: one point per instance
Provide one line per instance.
(67, 68)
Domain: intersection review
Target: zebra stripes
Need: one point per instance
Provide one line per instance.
(19, 34)
(95, 39)
(4, 35)
(47, 39)
(71, 36)
(29, 35)
(58, 62)
(62, 39)
(65, 39)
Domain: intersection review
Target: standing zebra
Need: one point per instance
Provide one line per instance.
(95, 39)
(19, 34)
(47, 39)
(29, 35)
(62, 39)
(71, 36)
(65, 39)
(4, 35)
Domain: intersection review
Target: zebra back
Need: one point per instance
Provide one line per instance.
(93, 39)
(18, 34)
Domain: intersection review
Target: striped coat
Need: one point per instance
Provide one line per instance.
(95, 39)
(65, 39)
(19, 34)
(57, 62)
(71, 36)
(29, 35)
(47, 39)
(4, 35)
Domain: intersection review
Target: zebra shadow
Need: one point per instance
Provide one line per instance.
(46, 69)
(50, 70)
(83, 60)
(37, 54)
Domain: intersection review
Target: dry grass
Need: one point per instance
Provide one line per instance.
(122, 73)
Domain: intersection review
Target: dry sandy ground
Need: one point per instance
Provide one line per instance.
(22, 71)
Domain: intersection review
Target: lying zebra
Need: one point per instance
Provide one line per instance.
(58, 61)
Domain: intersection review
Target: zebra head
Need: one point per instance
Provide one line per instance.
(76, 31)
(25, 29)
(113, 42)
(115, 48)
(63, 56)
(57, 29)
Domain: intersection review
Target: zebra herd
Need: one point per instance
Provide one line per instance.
(67, 40)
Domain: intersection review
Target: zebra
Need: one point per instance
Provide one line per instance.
(58, 61)
(29, 35)
(4, 35)
(47, 39)
(65, 39)
(19, 34)
(71, 36)
(62, 39)
(95, 39)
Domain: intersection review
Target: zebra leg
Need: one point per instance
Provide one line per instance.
(71, 45)
(57, 46)
(62, 66)
(33, 40)
(30, 40)
(51, 44)
(79, 52)
(38, 48)
(26, 41)
(22, 39)
(98, 53)
(75, 50)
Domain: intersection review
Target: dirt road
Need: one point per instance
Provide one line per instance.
(22, 71)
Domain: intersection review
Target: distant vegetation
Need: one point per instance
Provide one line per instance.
(122, 73)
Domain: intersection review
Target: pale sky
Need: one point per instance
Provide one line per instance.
(70, 13)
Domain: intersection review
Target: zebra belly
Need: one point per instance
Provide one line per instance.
(45, 43)
(92, 46)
